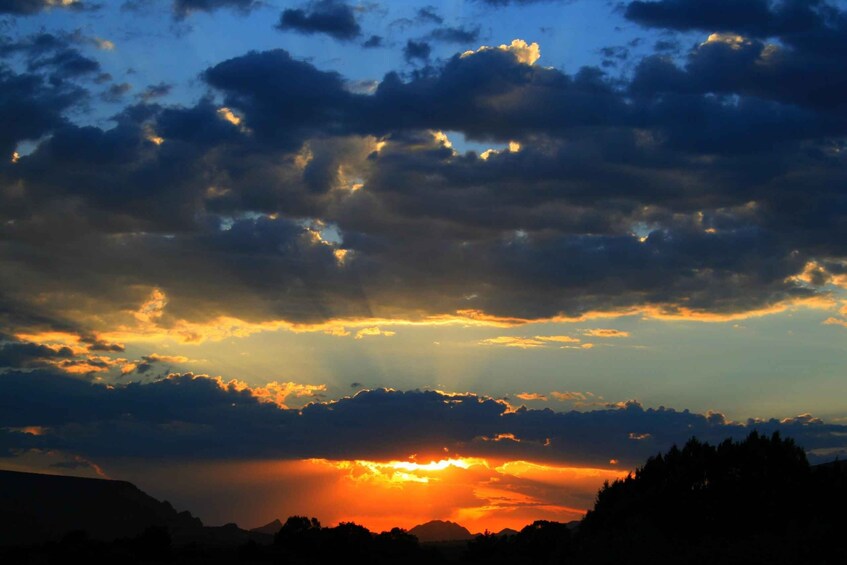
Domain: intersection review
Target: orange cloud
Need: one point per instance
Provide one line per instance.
(374, 331)
(531, 396)
(273, 392)
(528, 342)
(571, 396)
(167, 358)
(606, 333)
(150, 322)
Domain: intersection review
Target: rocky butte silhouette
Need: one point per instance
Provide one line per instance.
(270, 528)
(440, 530)
(37, 508)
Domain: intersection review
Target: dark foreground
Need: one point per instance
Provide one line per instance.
(750, 502)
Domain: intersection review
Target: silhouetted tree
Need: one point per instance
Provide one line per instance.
(740, 502)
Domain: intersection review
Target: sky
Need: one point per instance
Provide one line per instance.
(397, 261)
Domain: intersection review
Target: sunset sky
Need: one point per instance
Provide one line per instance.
(397, 261)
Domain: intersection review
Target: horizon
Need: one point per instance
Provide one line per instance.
(387, 262)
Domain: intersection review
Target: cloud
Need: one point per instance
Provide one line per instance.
(183, 8)
(419, 50)
(577, 397)
(428, 14)
(532, 396)
(155, 91)
(605, 332)
(655, 196)
(458, 35)
(212, 418)
(523, 52)
(29, 7)
(116, 92)
(374, 331)
(331, 17)
(756, 17)
(522, 2)
(529, 342)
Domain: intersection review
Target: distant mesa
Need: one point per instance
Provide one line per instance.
(38, 508)
(440, 530)
(270, 529)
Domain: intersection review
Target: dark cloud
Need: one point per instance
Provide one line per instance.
(760, 18)
(155, 91)
(372, 42)
(416, 50)
(95, 344)
(704, 186)
(428, 14)
(331, 17)
(16, 354)
(116, 92)
(30, 106)
(257, 81)
(206, 418)
(523, 2)
(184, 7)
(458, 35)
(29, 7)
(52, 53)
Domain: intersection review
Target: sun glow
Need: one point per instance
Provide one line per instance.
(478, 492)
(401, 471)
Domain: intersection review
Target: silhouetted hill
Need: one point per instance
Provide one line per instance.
(440, 530)
(507, 532)
(36, 508)
(270, 529)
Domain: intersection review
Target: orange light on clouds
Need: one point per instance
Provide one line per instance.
(478, 493)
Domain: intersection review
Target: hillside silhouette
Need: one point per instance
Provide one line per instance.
(440, 530)
(756, 501)
(36, 508)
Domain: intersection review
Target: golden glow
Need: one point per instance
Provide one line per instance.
(478, 493)
(555, 475)
(442, 139)
(153, 308)
(30, 430)
(15, 157)
(605, 332)
(228, 115)
(374, 331)
(273, 392)
(530, 396)
(149, 323)
(340, 255)
(513, 341)
(401, 471)
(529, 342)
(735, 42)
(525, 53)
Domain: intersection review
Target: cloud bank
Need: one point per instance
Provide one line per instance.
(198, 417)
